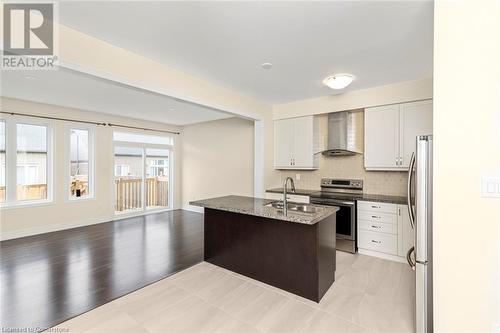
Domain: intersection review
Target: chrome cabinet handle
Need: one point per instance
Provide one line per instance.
(408, 193)
(375, 217)
(408, 257)
(374, 241)
(375, 206)
(376, 227)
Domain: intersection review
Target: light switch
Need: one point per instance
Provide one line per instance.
(490, 187)
(297, 176)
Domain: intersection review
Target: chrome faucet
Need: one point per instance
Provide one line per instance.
(285, 199)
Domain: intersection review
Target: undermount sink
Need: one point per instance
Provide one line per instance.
(306, 209)
(294, 207)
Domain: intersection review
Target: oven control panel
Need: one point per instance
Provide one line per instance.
(342, 183)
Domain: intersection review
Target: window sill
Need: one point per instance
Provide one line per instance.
(76, 200)
(22, 204)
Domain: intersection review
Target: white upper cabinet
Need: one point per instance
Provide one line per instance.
(390, 133)
(294, 143)
(382, 137)
(283, 142)
(415, 119)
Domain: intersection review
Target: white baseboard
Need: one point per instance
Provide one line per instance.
(52, 227)
(382, 255)
(195, 209)
(6, 235)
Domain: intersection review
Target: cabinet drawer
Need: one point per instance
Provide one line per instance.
(382, 207)
(377, 241)
(377, 217)
(291, 197)
(378, 227)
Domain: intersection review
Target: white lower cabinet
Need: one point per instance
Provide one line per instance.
(378, 241)
(387, 228)
(290, 197)
(384, 230)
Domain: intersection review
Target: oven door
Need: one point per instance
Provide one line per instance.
(346, 217)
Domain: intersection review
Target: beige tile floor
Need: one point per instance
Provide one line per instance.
(369, 295)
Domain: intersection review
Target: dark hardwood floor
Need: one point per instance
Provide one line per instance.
(49, 278)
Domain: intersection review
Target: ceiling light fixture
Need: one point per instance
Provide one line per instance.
(267, 65)
(338, 81)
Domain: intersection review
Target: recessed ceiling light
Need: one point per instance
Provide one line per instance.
(338, 81)
(267, 65)
(29, 77)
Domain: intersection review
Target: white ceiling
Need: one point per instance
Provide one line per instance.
(226, 42)
(75, 90)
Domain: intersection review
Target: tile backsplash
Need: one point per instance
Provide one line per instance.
(375, 182)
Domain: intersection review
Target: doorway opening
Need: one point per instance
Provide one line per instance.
(142, 173)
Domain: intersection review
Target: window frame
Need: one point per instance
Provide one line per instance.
(121, 167)
(67, 160)
(4, 121)
(11, 159)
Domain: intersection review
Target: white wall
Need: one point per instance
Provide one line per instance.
(82, 52)
(400, 92)
(467, 146)
(217, 159)
(21, 221)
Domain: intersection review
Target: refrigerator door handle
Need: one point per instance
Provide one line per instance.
(408, 193)
(411, 262)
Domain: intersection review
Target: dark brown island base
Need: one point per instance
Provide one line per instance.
(295, 252)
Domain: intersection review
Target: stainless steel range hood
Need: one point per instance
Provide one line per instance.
(344, 133)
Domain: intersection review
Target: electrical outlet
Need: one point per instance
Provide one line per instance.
(297, 176)
(490, 187)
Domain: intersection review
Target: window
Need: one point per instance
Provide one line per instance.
(2, 161)
(157, 177)
(25, 161)
(128, 179)
(80, 163)
(32, 158)
(27, 174)
(122, 170)
(142, 172)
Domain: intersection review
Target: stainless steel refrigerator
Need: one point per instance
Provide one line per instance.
(420, 210)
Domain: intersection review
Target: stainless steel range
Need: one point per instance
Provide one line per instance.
(342, 193)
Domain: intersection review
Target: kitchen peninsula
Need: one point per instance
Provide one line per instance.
(293, 251)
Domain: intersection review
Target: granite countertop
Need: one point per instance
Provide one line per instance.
(364, 197)
(383, 198)
(256, 207)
